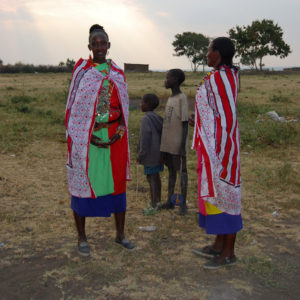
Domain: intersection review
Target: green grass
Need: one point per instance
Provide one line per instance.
(25, 124)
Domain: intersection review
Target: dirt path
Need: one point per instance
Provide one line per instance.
(38, 258)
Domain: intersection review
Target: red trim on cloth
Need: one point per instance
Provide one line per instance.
(208, 170)
(118, 152)
(201, 204)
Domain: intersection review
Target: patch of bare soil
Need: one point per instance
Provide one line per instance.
(38, 257)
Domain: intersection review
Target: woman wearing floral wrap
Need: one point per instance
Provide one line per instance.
(97, 138)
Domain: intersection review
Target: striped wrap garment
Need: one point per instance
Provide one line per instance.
(217, 141)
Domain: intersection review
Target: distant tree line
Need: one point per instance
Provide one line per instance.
(20, 67)
(253, 43)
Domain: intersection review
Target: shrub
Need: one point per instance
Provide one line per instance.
(250, 110)
(22, 99)
(279, 99)
(23, 109)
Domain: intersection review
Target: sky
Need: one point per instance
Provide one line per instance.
(140, 31)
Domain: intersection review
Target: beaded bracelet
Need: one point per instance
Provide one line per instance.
(120, 130)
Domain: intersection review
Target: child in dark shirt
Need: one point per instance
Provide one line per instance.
(149, 146)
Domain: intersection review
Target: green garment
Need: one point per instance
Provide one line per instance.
(100, 171)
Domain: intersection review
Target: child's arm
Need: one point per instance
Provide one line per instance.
(144, 141)
(185, 125)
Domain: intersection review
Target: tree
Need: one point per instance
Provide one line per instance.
(255, 41)
(194, 46)
(249, 60)
(70, 63)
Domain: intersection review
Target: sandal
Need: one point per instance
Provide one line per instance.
(84, 248)
(214, 264)
(207, 252)
(125, 243)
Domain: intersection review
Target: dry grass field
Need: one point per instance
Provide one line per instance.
(38, 257)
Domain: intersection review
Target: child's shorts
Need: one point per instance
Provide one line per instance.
(153, 170)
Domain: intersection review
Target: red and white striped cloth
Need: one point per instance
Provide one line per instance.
(217, 140)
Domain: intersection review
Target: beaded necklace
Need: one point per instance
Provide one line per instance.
(204, 79)
(209, 73)
(103, 104)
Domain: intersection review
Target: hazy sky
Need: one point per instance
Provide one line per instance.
(140, 31)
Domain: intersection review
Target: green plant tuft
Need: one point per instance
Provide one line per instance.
(150, 211)
(279, 99)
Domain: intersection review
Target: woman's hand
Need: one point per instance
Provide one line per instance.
(113, 139)
(192, 119)
(98, 142)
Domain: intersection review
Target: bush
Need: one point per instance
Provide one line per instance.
(279, 99)
(20, 104)
(22, 99)
(250, 110)
(23, 109)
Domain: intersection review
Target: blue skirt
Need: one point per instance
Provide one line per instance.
(221, 223)
(102, 206)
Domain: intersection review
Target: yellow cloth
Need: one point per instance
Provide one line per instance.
(211, 209)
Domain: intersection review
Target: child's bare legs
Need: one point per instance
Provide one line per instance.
(158, 189)
(80, 226)
(171, 183)
(155, 188)
(184, 185)
(171, 188)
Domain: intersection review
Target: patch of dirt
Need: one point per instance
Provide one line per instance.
(23, 278)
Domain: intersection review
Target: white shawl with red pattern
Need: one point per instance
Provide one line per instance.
(85, 87)
(216, 137)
